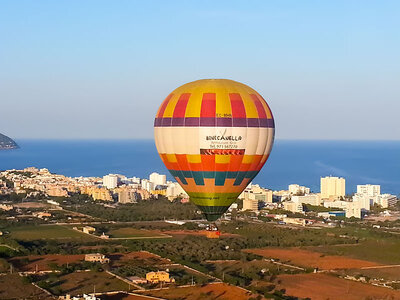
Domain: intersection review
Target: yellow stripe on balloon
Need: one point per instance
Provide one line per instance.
(169, 110)
(171, 158)
(247, 159)
(251, 110)
(193, 107)
(193, 158)
(222, 159)
(223, 103)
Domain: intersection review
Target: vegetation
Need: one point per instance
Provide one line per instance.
(316, 208)
(32, 232)
(59, 284)
(144, 210)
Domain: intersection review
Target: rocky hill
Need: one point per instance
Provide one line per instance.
(7, 143)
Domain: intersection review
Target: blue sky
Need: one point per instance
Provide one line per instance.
(100, 69)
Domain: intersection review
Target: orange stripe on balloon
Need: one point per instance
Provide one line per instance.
(191, 186)
(256, 164)
(235, 162)
(182, 161)
(221, 167)
(197, 167)
(208, 162)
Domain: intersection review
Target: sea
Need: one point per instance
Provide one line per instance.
(291, 161)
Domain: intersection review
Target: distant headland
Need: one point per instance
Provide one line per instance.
(7, 143)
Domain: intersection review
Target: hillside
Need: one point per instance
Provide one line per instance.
(7, 143)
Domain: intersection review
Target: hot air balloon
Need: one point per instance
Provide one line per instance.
(214, 136)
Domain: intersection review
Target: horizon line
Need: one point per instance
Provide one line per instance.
(152, 139)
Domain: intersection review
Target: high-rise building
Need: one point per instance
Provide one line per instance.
(364, 201)
(147, 185)
(127, 195)
(369, 190)
(110, 181)
(250, 204)
(158, 179)
(174, 190)
(255, 191)
(333, 187)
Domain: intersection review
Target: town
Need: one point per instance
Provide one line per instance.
(118, 189)
(138, 237)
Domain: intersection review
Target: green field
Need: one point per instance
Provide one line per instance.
(29, 233)
(13, 286)
(384, 251)
(129, 232)
(184, 276)
(78, 283)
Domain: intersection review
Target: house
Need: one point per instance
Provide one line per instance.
(42, 215)
(88, 229)
(97, 257)
(159, 276)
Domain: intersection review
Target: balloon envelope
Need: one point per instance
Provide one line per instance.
(214, 136)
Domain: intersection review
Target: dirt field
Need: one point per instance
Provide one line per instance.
(306, 258)
(322, 287)
(121, 296)
(387, 273)
(12, 287)
(42, 261)
(31, 205)
(220, 291)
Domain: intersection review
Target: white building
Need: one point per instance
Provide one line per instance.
(364, 201)
(174, 190)
(147, 185)
(353, 209)
(335, 204)
(296, 189)
(135, 180)
(333, 187)
(250, 204)
(369, 190)
(387, 200)
(373, 193)
(158, 179)
(110, 181)
(281, 195)
(312, 199)
(292, 206)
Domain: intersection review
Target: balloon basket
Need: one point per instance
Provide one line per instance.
(212, 232)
